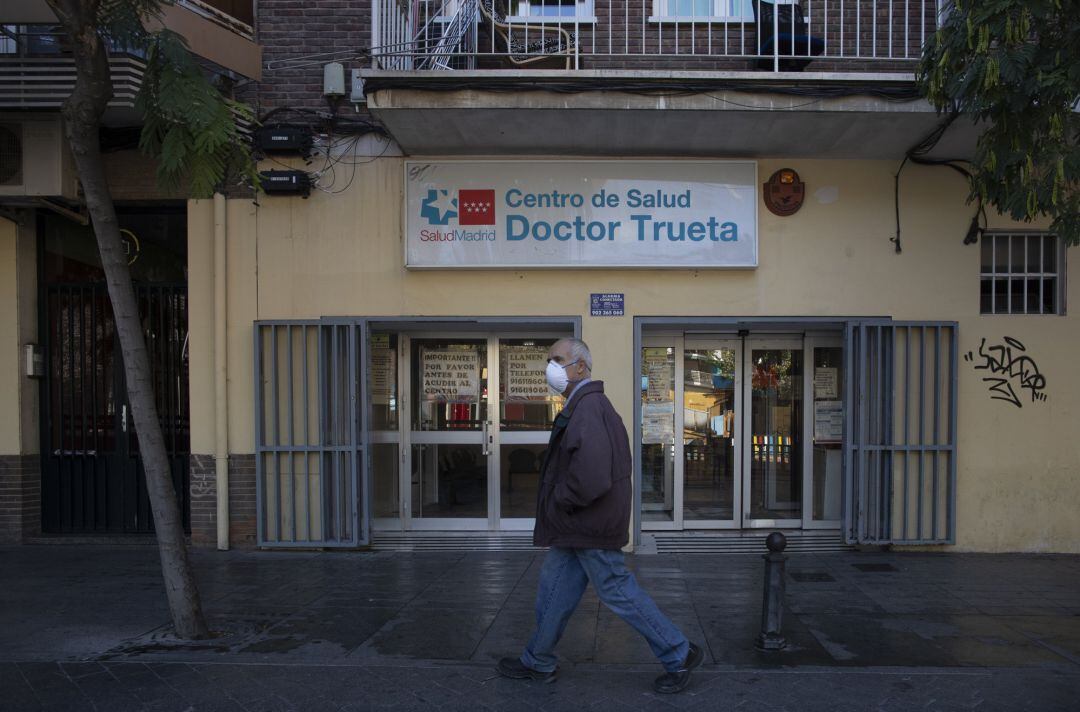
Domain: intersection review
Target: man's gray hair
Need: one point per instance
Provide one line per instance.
(579, 350)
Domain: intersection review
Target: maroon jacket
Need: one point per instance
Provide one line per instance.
(584, 497)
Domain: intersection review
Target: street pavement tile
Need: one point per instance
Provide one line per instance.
(292, 687)
(731, 642)
(475, 596)
(826, 602)
(105, 690)
(1062, 635)
(618, 642)
(77, 670)
(524, 597)
(430, 634)
(334, 631)
(333, 621)
(17, 693)
(925, 641)
(369, 595)
(1029, 610)
(512, 628)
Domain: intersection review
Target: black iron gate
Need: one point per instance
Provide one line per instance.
(92, 478)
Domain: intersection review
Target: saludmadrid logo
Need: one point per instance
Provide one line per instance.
(474, 208)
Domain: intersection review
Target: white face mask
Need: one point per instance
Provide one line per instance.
(556, 376)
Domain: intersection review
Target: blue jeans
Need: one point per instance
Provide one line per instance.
(563, 578)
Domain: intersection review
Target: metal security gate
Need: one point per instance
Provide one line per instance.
(92, 476)
(900, 459)
(309, 438)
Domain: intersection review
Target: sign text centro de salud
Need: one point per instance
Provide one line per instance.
(564, 214)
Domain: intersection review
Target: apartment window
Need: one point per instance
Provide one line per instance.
(552, 8)
(1022, 273)
(703, 10)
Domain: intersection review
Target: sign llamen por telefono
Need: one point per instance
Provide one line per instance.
(580, 214)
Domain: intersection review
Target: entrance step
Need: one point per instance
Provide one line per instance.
(805, 541)
(452, 541)
(819, 541)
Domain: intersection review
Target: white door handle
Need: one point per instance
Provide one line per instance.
(123, 418)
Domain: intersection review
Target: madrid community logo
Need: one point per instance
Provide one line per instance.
(469, 207)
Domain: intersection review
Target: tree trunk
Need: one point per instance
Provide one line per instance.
(82, 114)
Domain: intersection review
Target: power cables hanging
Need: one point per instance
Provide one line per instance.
(919, 154)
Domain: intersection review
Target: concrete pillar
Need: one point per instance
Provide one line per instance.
(20, 480)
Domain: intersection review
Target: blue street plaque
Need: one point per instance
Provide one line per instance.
(606, 304)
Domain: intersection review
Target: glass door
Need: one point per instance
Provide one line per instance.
(711, 432)
(737, 432)
(527, 409)
(773, 456)
(386, 359)
(824, 432)
(459, 439)
(659, 488)
(449, 440)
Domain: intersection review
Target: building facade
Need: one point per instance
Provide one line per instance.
(799, 327)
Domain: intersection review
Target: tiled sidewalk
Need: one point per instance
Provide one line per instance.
(308, 630)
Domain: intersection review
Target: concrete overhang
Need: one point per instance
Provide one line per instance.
(615, 113)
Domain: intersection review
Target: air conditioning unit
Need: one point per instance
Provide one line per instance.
(35, 160)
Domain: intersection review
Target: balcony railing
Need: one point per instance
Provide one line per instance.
(717, 35)
(37, 70)
(45, 82)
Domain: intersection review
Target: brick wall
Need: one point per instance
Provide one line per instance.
(293, 28)
(20, 498)
(242, 525)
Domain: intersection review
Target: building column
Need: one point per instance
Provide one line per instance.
(20, 473)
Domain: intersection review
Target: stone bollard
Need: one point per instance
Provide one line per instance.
(772, 605)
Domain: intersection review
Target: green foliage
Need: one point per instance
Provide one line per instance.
(1014, 67)
(189, 124)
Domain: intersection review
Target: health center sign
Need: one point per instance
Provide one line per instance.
(591, 214)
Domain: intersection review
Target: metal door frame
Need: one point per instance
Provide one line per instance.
(409, 437)
(673, 340)
(724, 340)
(494, 436)
(766, 342)
(813, 340)
(513, 437)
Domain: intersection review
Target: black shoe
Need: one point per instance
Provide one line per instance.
(671, 682)
(513, 667)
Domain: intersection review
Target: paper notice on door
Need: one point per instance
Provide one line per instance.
(524, 372)
(450, 374)
(382, 375)
(828, 421)
(825, 383)
(657, 423)
(659, 375)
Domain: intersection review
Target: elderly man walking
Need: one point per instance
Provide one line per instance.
(583, 515)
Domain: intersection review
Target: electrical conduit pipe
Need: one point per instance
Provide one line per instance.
(221, 399)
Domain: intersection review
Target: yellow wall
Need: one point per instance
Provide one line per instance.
(242, 291)
(342, 255)
(10, 362)
(18, 326)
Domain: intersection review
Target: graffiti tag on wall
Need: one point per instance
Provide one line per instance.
(1009, 369)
